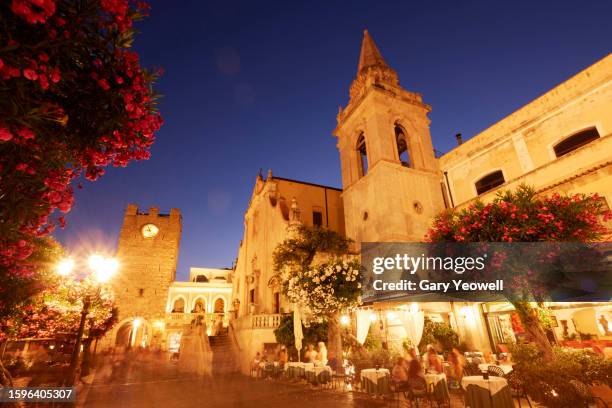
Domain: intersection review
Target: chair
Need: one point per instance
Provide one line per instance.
(418, 390)
(495, 371)
(338, 380)
(472, 369)
(517, 387)
(585, 392)
(400, 388)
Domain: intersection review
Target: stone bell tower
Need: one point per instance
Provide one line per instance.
(390, 177)
(148, 254)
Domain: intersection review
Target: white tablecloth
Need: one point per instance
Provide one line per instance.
(506, 368)
(373, 374)
(493, 384)
(434, 378)
(319, 369)
(303, 365)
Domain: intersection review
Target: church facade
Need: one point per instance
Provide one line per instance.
(393, 184)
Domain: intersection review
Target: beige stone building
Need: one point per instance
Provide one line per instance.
(393, 185)
(276, 205)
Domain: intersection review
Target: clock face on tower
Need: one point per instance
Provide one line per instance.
(149, 230)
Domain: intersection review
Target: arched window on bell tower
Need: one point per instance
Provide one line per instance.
(402, 146)
(363, 155)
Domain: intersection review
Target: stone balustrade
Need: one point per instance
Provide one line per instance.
(265, 321)
(186, 318)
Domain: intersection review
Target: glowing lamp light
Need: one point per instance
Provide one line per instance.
(345, 320)
(95, 262)
(65, 267)
(136, 323)
(208, 332)
(391, 315)
(103, 268)
(373, 317)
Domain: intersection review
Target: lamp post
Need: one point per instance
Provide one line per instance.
(102, 269)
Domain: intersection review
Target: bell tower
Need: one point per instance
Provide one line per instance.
(148, 253)
(390, 177)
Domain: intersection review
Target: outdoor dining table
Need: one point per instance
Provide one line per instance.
(271, 369)
(506, 368)
(318, 374)
(436, 382)
(297, 369)
(490, 393)
(375, 381)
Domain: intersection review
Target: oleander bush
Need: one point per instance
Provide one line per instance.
(550, 382)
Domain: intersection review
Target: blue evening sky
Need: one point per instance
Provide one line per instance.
(252, 85)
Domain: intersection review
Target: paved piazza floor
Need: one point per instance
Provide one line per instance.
(150, 383)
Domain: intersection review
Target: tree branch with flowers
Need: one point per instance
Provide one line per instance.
(318, 276)
(523, 216)
(73, 100)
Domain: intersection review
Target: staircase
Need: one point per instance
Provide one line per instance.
(223, 356)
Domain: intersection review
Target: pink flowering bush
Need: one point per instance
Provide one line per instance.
(57, 311)
(521, 216)
(73, 100)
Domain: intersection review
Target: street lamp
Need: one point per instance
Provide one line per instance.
(102, 269)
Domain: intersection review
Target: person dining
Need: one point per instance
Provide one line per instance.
(311, 354)
(321, 357)
(283, 357)
(255, 364)
(415, 369)
(431, 361)
(399, 375)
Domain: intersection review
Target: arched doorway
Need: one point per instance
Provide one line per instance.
(219, 305)
(199, 306)
(178, 306)
(133, 332)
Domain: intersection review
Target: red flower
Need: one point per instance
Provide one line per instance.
(5, 134)
(55, 75)
(26, 133)
(30, 74)
(43, 81)
(33, 11)
(104, 84)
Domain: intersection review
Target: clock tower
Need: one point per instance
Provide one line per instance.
(391, 183)
(148, 254)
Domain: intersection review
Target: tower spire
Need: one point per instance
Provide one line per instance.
(369, 56)
(372, 69)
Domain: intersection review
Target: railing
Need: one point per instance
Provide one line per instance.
(209, 318)
(265, 321)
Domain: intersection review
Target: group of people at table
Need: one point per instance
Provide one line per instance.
(317, 356)
(429, 369)
(413, 366)
(432, 372)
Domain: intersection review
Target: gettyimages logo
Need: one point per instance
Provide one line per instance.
(412, 264)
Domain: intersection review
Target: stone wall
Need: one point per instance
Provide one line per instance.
(147, 266)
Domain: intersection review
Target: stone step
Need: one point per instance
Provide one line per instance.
(223, 355)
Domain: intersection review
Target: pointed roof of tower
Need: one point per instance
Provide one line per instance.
(370, 56)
